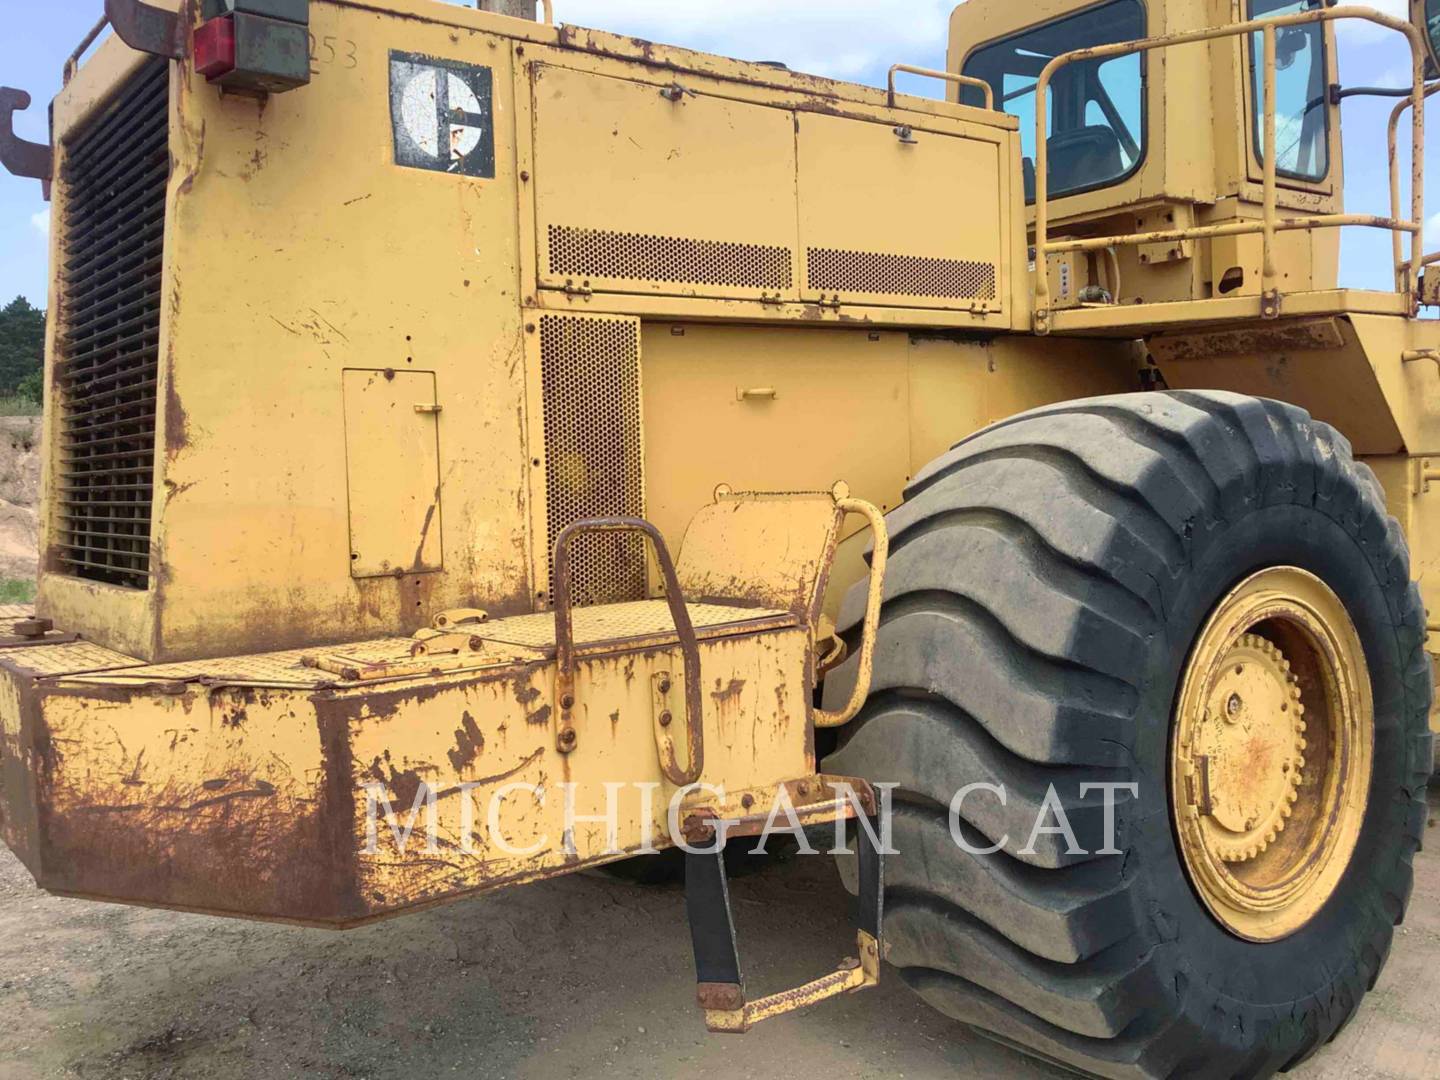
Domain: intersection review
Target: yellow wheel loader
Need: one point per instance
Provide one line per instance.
(480, 448)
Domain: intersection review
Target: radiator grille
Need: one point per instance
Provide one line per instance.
(594, 451)
(900, 275)
(113, 227)
(634, 256)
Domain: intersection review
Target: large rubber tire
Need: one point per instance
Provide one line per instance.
(1047, 578)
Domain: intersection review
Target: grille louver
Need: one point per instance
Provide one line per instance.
(900, 275)
(594, 449)
(113, 229)
(668, 259)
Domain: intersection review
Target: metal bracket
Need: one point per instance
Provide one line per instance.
(147, 29)
(455, 617)
(664, 707)
(33, 161)
(720, 990)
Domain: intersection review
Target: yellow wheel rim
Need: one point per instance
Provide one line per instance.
(1270, 755)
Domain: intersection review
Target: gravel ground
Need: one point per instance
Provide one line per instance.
(582, 977)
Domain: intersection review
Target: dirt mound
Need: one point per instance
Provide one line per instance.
(19, 497)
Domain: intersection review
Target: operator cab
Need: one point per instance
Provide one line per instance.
(1169, 140)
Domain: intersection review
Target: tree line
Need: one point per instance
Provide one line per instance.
(22, 350)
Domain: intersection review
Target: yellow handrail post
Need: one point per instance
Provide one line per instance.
(1269, 289)
(948, 76)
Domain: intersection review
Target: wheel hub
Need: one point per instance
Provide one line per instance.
(1268, 798)
(1250, 750)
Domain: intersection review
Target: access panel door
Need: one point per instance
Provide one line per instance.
(662, 190)
(899, 218)
(392, 459)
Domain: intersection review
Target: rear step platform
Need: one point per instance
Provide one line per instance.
(252, 785)
(343, 783)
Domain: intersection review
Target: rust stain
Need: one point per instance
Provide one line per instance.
(469, 742)
(729, 694)
(177, 422)
(1308, 335)
(405, 784)
(419, 561)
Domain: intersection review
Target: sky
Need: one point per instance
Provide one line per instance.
(848, 39)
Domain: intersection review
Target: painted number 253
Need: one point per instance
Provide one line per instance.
(328, 50)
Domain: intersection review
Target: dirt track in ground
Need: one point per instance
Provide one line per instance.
(582, 977)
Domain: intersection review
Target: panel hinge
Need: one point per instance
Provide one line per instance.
(582, 290)
(1424, 473)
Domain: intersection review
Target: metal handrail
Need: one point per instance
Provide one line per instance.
(947, 76)
(73, 63)
(1417, 177)
(1270, 223)
(565, 662)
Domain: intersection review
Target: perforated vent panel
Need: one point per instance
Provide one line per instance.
(831, 270)
(594, 449)
(636, 256)
(112, 246)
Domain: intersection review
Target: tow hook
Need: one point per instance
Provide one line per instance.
(21, 158)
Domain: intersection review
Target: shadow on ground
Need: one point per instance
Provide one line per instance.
(582, 977)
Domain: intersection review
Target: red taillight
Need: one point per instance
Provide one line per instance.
(215, 47)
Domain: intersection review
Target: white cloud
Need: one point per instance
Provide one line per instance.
(41, 221)
(1359, 31)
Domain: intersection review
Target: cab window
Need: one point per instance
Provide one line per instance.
(1302, 117)
(1095, 129)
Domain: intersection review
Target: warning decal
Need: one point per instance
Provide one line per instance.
(442, 114)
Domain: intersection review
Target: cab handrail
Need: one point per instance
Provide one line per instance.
(1270, 223)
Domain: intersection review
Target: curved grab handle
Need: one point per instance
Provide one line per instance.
(566, 737)
(948, 76)
(21, 158)
(876, 594)
(147, 29)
